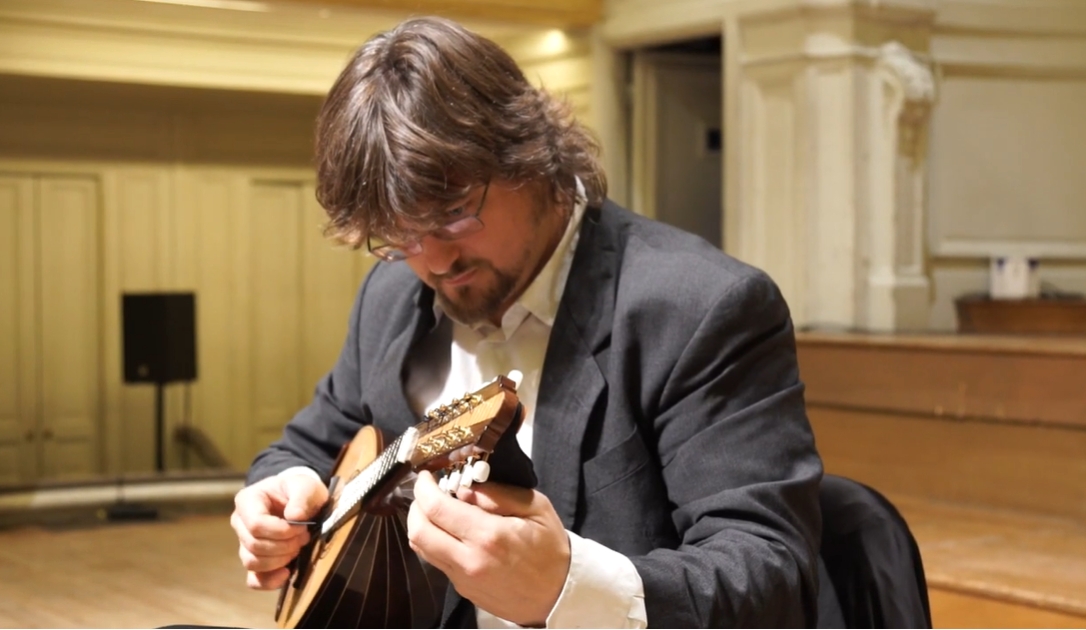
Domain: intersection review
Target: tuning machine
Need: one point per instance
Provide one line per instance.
(465, 474)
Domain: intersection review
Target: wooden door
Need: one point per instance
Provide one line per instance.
(69, 337)
(301, 289)
(18, 331)
(49, 336)
(275, 293)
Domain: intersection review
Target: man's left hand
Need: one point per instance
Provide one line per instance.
(504, 548)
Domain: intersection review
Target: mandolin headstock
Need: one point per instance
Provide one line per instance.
(467, 428)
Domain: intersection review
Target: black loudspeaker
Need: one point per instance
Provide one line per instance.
(159, 337)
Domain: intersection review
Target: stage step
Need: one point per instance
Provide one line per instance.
(981, 442)
(996, 569)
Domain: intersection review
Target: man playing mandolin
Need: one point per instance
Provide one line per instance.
(677, 473)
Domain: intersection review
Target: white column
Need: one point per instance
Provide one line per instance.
(829, 165)
(894, 284)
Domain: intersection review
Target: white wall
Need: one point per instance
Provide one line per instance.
(1008, 145)
(200, 186)
(871, 181)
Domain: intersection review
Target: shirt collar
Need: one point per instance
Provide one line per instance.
(542, 296)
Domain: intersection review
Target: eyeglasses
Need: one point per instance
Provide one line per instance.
(457, 228)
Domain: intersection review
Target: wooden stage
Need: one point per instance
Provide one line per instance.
(128, 575)
(979, 441)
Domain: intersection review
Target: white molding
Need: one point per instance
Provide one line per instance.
(984, 248)
(77, 52)
(292, 49)
(1010, 56)
(1067, 17)
(333, 26)
(638, 23)
(824, 51)
(610, 115)
(916, 80)
(121, 490)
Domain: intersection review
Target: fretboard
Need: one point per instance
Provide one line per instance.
(368, 480)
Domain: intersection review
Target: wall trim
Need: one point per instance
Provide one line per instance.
(961, 248)
(820, 54)
(119, 490)
(291, 49)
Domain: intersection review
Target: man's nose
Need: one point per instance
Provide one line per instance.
(438, 255)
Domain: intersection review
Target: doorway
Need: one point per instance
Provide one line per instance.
(677, 136)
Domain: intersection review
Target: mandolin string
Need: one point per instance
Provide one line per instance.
(396, 538)
(401, 575)
(421, 591)
(369, 524)
(378, 470)
(388, 572)
(358, 489)
(371, 479)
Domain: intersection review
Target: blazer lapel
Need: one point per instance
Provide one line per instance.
(390, 404)
(572, 380)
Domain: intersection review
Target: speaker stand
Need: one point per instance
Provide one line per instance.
(160, 427)
(125, 511)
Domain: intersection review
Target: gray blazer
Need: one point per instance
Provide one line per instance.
(670, 423)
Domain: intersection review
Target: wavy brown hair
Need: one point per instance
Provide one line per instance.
(426, 110)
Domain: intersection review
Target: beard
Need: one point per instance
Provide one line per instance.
(476, 302)
(471, 305)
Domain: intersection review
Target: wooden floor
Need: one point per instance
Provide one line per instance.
(128, 575)
(998, 569)
(184, 570)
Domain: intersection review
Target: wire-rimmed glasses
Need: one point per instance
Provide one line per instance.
(457, 228)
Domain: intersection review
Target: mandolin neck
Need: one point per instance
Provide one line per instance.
(373, 482)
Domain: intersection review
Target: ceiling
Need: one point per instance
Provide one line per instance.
(557, 13)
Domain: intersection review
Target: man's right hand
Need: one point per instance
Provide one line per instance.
(268, 541)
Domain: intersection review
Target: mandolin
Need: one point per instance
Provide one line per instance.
(357, 570)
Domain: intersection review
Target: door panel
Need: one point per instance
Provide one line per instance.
(329, 286)
(276, 304)
(18, 370)
(210, 252)
(70, 335)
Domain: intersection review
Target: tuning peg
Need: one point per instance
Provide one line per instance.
(516, 376)
(443, 484)
(454, 482)
(466, 479)
(480, 471)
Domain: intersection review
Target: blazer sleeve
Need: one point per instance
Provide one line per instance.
(314, 436)
(738, 460)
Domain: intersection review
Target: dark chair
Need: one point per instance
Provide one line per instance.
(870, 569)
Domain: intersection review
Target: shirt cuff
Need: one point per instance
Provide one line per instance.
(602, 590)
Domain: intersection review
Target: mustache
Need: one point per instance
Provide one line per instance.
(456, 269)
(460, 267)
